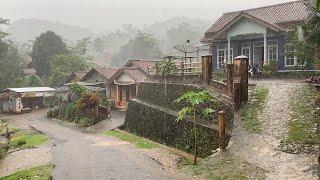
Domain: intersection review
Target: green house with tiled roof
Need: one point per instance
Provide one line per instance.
(259, 33)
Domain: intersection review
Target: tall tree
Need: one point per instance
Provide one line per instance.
(64, 65)
(80, 47)
(98, 45)
(44, 48)
(11, 64)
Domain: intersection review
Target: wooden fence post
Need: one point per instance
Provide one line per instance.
(222, 131)
(207, 68)
(237, 95)
(182, 68)
(230, 74)
(7, 131)
(241, 70)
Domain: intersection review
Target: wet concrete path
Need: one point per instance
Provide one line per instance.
(78, 155)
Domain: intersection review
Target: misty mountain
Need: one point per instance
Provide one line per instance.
(24, 30)
(159, 29)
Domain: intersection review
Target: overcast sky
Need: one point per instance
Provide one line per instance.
(103, 15)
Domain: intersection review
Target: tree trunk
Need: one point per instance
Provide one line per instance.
(195, 139)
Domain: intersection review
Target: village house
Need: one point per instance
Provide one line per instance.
(118, 84)
(19, 100)
(75, 76)
(258, 33)
(123, 85)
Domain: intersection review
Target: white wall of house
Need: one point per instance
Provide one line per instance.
(246, 27)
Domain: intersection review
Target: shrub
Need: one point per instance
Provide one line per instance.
(77, 89)
(87, 104)
(84, 121)
(53, 101)
(71, 111)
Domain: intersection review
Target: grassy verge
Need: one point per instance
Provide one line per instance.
(222, 168)
(36, 173)
(26, 139)
(249, 112)
(302, 124)
(136, 140)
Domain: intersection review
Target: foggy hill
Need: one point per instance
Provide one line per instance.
(159, 29)
(24, 30)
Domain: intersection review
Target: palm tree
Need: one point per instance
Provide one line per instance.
(98, 45)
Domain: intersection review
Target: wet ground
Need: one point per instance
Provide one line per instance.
(78, 155)
(261, 149)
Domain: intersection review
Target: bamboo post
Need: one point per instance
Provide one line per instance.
(222, 131)
(207, 68)
(230, 74)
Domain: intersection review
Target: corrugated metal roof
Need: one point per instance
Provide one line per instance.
(31, 89)
(279, 15)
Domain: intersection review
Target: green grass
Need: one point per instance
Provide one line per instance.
(222, 168)
(302, 124)
(26, 139)
(136, 140)
(36, 173)
(249, 112)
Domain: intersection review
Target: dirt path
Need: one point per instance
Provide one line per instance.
(261, 149)
(78, 155)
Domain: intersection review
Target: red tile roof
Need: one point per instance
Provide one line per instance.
(134, 72)
(141, 64)
(107, 72)
(276, 15)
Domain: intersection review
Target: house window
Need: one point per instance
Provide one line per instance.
(272, 52)
(222, 57)
(291, 57)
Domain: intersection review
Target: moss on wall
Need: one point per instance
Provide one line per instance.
(153, 116)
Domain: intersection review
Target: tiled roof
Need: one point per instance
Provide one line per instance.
(107, 72)
(135, 73)
(141, 64)
(80, 74)
(278, 15)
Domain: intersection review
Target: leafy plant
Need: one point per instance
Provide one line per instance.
(64, 64)
(71, 111)
(88, 103)
(165, 68)
(194, 103)
(78, 89)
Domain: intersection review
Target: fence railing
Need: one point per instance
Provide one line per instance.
(182, 68)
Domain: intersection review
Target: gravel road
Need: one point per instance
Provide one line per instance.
(261, 149)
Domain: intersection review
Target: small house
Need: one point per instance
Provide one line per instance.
(18, 100)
